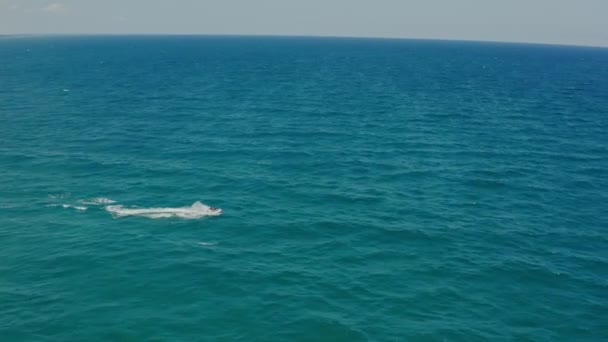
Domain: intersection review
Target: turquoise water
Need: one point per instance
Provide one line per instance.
(372, 190)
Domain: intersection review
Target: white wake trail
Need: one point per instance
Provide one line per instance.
(195, 211)
(97, 201)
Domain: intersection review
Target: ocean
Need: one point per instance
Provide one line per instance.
(370, 190)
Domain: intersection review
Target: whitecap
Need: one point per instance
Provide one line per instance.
(195, 211)
(207, 243)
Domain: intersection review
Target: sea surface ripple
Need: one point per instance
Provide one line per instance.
(372, 190)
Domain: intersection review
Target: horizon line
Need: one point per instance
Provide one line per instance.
(91, 34)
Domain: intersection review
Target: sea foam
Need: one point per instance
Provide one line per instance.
(97, 201)
(195, 211)
(77, 207)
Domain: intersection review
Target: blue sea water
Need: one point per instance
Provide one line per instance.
(372, 190)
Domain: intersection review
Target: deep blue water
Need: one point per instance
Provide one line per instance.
(373, 190)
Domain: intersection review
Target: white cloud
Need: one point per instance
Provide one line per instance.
(55, 8)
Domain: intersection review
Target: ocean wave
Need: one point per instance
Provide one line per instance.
(195, 211)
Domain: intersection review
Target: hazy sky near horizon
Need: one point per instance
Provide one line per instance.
(581, 22)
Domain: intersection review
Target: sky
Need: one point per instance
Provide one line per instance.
(576, 22)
